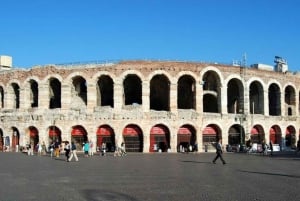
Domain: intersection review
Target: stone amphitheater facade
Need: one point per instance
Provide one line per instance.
(150, 105)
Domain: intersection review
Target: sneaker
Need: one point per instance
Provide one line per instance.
(214, 162)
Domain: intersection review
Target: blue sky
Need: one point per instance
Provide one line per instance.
(38, 32)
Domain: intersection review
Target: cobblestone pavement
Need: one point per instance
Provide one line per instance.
(143, 177)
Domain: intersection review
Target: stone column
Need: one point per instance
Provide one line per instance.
(146, 96)
(66, 96)
(199, 97)
(223, 108)
(43, 96)
(173, 97)
(173, 139)
(91, 97)
(24, 99)
(282, 103)
(118, 95)
(199, 137)
(296, 104)
(146, 139)
(266, 103)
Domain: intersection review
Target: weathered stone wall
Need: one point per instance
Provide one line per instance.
(75, 112)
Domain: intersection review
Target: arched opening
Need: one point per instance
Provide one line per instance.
(132, 90)
(16, 95)
(133, 138)
(105, 134)
(15, 139)
(33, 137)
(34, 93)
(105, 91)
(275, 135)
(54, 134)
(256, 98)
(257, 135)
(186, 139)
(235, 96)
(54, 93)
(1, 140)
(290, 100)
(79, 91)
(186, 92)
(211, 92)
(1, 97)
(79, 136)
(236, 137)
(210, 134)
(274, 100)
(160, 93)
(159, 139)
(290, 137)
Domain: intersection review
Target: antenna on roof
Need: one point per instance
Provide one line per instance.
(244, 61)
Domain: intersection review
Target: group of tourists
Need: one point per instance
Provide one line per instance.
(56, 148)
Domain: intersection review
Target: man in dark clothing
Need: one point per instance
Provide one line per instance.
(219, 152)
(271, 148)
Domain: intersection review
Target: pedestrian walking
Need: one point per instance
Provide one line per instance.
(219, 152)
(30, 150)
(123, 149)
(51, 149)
(86, 149)
(57, 148)
(91, 152)
(67, 150)
(73, 152)
(271, 148)
(44, 150)
(103, 149)
(39, 148)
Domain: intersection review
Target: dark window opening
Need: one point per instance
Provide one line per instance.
(54, 93)
(160, 93)
(132, 90)
(186, 93)
(105, 91)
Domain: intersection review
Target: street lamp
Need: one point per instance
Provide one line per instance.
(241, 118)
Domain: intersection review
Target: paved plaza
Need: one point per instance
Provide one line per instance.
(153, 177)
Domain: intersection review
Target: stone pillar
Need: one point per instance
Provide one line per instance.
(282, 103)
(173, 97)
(173, 139)
(118, 95)
(199, 137)
(266, 103)
(9, 99)
(246, 102)
(44, 96)
(91, 97)
(146, 139)
(223, 108)
(146, 96)
(66, 96)
(296, 104)
(199, 97)
(24, 99)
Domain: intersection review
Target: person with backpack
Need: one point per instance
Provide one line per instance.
(73, 152)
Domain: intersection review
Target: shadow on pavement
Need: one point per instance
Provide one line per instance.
(103, 195)
(272, 174)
